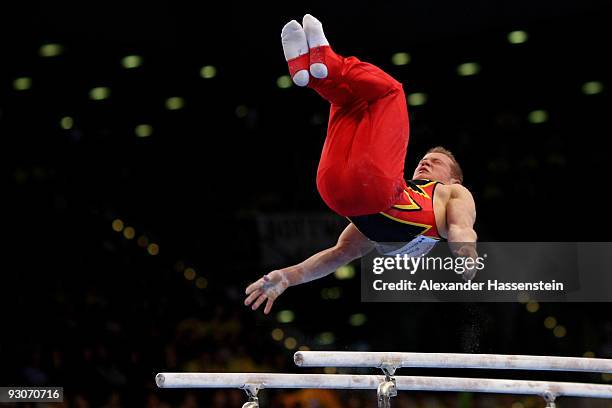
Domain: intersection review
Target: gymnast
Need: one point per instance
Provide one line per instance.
(361, 170)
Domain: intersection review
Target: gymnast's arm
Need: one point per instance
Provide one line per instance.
(460, 219)
(351, 245)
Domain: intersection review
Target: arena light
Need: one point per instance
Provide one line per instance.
(517, 37)
(285, 316)
(277, 334)
(175, 103)
(560, 331)
(532, 306)
(417, 99)
(468, 69)
(99, 93)
(550, 322)
(592, 88)
(153, 249)
(290, 343)
(357, 319)
(50, 50)
(117, 225)
(538, 116)
(345, 272)
(400, 58)
(189, 274)
(66, 123)
(284, 82)
(129, 233)
(131, 61)
(143, 130)
(208, 72)
(22, 84)
(201, 283)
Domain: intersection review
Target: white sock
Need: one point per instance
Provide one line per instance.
(295, 44)
(316, 38)
(314, 31)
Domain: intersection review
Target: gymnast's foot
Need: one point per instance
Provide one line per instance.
(316, 39)
(296, 52)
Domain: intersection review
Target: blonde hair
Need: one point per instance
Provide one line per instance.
(456, 171)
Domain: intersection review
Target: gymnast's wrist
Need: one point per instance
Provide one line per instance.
(292, 275)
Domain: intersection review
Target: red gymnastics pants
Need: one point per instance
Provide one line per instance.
(362, 164)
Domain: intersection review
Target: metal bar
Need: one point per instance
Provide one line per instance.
(448, 360)
(371, 382)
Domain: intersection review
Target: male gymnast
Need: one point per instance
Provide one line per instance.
(361, 170)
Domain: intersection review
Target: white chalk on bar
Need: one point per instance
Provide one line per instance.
(449, 360)
(371, 382)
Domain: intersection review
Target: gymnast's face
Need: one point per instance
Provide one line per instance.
(435, 166)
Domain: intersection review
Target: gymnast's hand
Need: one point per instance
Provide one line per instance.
(269, 287)
(468, 251)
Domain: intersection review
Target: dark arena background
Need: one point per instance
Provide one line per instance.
(158, 159)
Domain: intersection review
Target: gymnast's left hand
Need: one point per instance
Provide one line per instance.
(267, 288)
